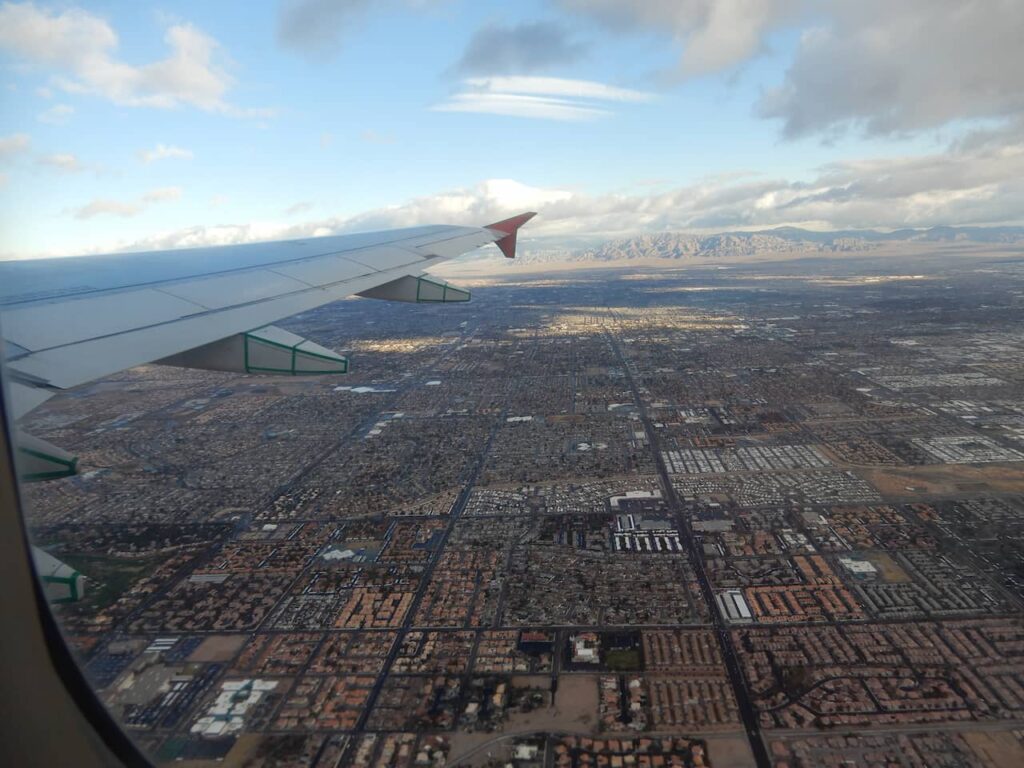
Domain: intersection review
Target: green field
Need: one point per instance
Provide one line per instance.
(623, 659)
(107, 578)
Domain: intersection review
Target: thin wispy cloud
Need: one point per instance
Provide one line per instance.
(297, 208)
(125, 208)
(545, 98)
(372, 137)
(58, 114)
(107, 207)
(557, 86)
(162, 194)
(518, 105)
(62, 161)
(13, 145)
(164, 152)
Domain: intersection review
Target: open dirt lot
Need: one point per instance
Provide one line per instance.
(729, 751)
(218, 648)
(890, 572)
(999, 749)
(946, 479)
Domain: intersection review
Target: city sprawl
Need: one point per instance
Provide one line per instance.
(725, 514)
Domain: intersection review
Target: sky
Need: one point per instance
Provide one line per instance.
(131, 125)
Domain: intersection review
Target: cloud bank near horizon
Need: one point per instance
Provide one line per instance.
(979, 181)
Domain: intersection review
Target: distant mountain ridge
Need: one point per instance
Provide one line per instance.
(681, 245)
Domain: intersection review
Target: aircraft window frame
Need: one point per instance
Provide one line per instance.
(65, 667)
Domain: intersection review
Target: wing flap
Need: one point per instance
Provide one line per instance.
(269, 350)
(417, 289)
(40, 460)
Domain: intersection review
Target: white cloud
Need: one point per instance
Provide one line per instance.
(878, 66)
(548, 98)
(715, 35)
(219, 234)
(80, 49)
(983, 185)
(163, 152)
(58, 114)
(979, 186)
(977, 181)
(556, 86)
(125, 209)
(515, 105)
(889, 68)
(13, 145)
(488, 201)
(62, 161)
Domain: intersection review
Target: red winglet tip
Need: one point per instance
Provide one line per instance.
(510, 227)
(507, 245)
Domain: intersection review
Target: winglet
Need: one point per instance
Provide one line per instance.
(509, 227)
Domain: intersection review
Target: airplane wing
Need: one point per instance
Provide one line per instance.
(69, 321)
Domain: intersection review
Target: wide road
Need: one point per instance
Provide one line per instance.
(428, 575)
(746, 708)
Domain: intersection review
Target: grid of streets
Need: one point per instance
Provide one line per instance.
(686, 518)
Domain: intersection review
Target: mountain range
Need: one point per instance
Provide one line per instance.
(681, 245)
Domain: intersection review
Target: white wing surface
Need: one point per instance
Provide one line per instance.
(69, 321)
